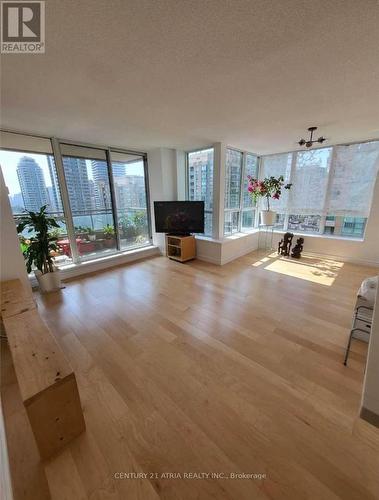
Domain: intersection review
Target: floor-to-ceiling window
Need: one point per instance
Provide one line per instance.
(239, 208)
(232, 199)
(87, 179)
(332, 188)
(200, 182)
(128, 174)
(106, 203)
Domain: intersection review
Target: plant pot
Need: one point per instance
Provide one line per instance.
(92, 237)
(49, 282)
(109, 242)
(268, 217)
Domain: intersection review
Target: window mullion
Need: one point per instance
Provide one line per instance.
(328, 190)
(291, 179)
(243, 173)
(259, 176)
(65, 199)
(113, 198)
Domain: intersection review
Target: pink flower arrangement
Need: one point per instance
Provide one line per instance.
(270, 187)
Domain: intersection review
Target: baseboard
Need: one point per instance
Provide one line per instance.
(238, 255)
(370, 416)
(211, 260)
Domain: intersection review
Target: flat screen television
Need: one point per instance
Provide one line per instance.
(179, 217)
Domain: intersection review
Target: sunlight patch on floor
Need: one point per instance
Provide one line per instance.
(321, 271)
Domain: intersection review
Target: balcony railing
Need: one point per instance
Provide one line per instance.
(95, 232)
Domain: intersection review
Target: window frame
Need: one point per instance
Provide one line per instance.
(56, 153)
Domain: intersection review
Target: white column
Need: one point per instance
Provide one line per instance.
(218, 190)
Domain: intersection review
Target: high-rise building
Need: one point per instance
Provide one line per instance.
(32, 183)
(201, 177)
(101, 181)
(54, 192)
(17, 203)
(78, 186)
(130, 192)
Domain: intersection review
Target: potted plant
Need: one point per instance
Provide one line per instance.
(91, 234)
(270, 187)
(109, 233)
(41, 245)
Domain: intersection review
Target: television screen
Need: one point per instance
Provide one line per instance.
(179, 217)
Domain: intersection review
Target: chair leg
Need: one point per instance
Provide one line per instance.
(348, 348)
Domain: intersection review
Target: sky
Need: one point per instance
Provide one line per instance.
(10, 159)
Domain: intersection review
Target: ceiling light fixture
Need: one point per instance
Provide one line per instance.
(309, 143)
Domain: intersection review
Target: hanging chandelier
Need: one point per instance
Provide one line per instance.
(309, 143)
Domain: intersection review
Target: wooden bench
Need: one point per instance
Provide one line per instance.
(46, 380)
(15, 298)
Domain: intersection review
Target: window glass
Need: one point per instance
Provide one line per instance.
(130, 194)
(275, 166)
(200, 182)
(248, 219)
(304, 223)
(353, 227)
(231, 222)
(89, 194)
(233, 172)
(309, 181)
(251, 169)
(32, 182)
(352, 183)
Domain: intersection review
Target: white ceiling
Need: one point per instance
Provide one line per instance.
(187, 73)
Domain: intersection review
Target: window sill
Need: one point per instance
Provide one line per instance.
(73, 270)
(226, 239)
(237, 236)
(324, 236)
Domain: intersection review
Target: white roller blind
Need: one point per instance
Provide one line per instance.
(28, 143)
(83, 152)
(276, 165)
(353, 179)
(125, 157)
(309, 181)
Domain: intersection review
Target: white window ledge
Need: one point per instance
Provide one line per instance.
(237, 236)
(226, 239)
(73, 270)
(315, 235)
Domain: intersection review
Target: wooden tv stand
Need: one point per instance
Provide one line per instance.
(180, 248)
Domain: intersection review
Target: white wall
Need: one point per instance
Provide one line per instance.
(222, 251)
(12, 263)
(370, 400)
(162, 184)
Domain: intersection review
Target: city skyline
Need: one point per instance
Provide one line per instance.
(32, 182)
(10, 159)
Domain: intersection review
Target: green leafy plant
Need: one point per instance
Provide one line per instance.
(24, 243)
(41, 243)
(108, 231)
(56, 233)
(81, 229)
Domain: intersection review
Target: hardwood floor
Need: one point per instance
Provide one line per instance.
(202, 369)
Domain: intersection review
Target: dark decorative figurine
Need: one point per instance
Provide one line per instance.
(298, 248)
(284, 245)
